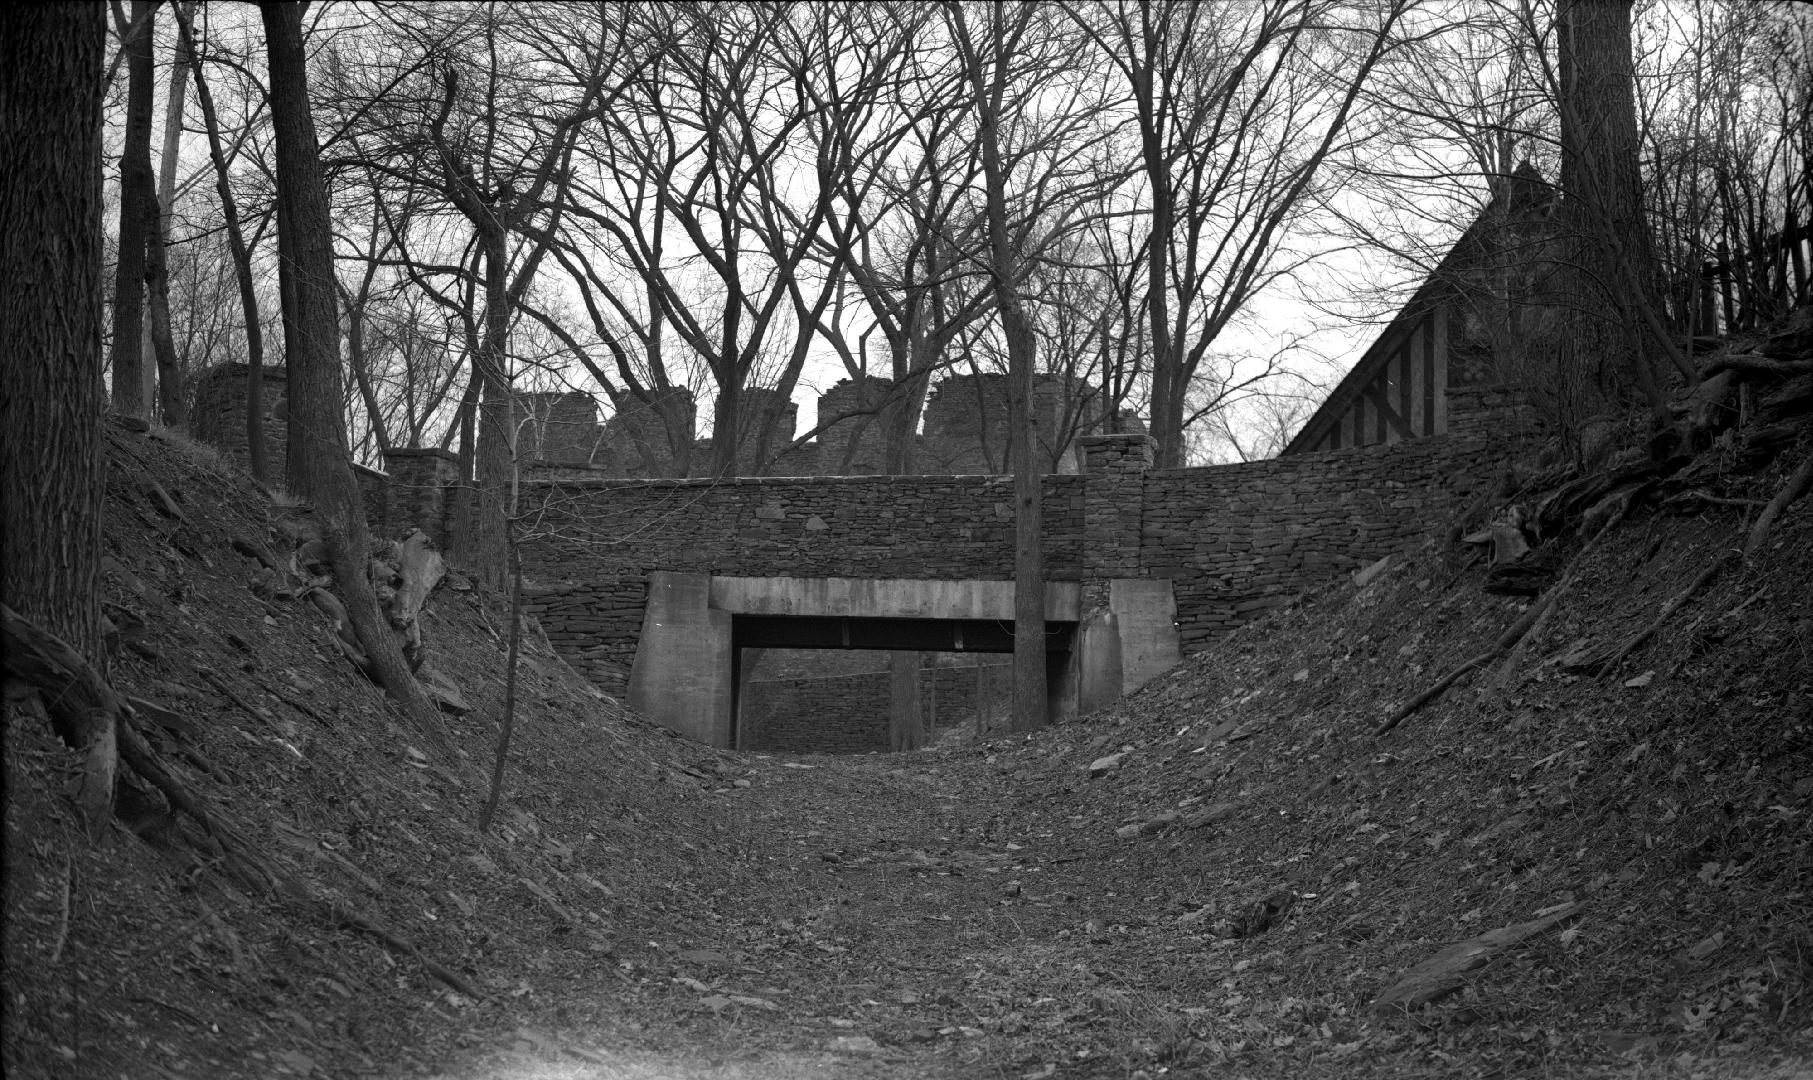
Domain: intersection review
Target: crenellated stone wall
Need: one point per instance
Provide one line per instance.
(1231, 541)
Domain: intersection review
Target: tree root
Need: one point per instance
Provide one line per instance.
(77, 693)
(1635, 641)
(1796, 486)
(342, 915)
(1505, 642)
(1749, 364)
(79, 702)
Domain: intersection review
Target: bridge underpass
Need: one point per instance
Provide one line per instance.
(752, 636)
(696, 626)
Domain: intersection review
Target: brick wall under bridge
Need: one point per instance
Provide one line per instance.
(1230, 541)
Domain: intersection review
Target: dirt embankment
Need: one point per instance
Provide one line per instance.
(1221, 876)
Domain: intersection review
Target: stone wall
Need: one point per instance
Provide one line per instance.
(585, 622)
(1235, 540)
(850, 526)
(219, 415)
(849, 713)
(608, 534)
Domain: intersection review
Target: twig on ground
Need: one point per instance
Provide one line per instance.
(345, 915)
(1751, 599)
(1696, 495)
(293, 703)
(178, 1010)
(56, 950)
(1635, 641)
(1512, 635)
(246, 706)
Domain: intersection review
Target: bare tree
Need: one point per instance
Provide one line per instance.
(465, 119)
(239, 250)
(1236, 107)
(319, 467)
(162, 207)
(988, 54)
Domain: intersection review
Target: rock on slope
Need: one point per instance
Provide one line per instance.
(1657, 818)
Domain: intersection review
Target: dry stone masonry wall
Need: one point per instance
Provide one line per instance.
(1234, 540)
(839, 714)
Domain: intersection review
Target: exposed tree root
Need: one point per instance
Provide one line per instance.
(1748, 364)
(1505, 642)
(76, 693)
(1635, 641)
(80, 703)
(1796, 487)
(342, 915)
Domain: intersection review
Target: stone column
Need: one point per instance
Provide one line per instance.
(421, 482)
(1115, 468)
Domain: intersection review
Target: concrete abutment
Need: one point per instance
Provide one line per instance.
(685, 665)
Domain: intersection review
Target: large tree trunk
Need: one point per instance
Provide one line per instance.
(51, 58)
(1609, 253)
(136, 196)
(319, 467)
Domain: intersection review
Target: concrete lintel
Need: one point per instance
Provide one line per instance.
(893, 598)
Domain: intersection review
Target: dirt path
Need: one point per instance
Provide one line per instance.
(872, 920)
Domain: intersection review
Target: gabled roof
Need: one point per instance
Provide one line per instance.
(1523, 192)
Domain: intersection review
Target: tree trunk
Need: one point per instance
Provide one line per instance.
(318, 465)
(513, 544)
(1167, 374)
(1029, 556)
(1610, 256)
(242, 260)
(487, 416)
(51, 58)
(157, 302)
(172, 400)
(906, 723)
(135, 214)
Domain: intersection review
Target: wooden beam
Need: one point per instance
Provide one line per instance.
(1386, 413)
